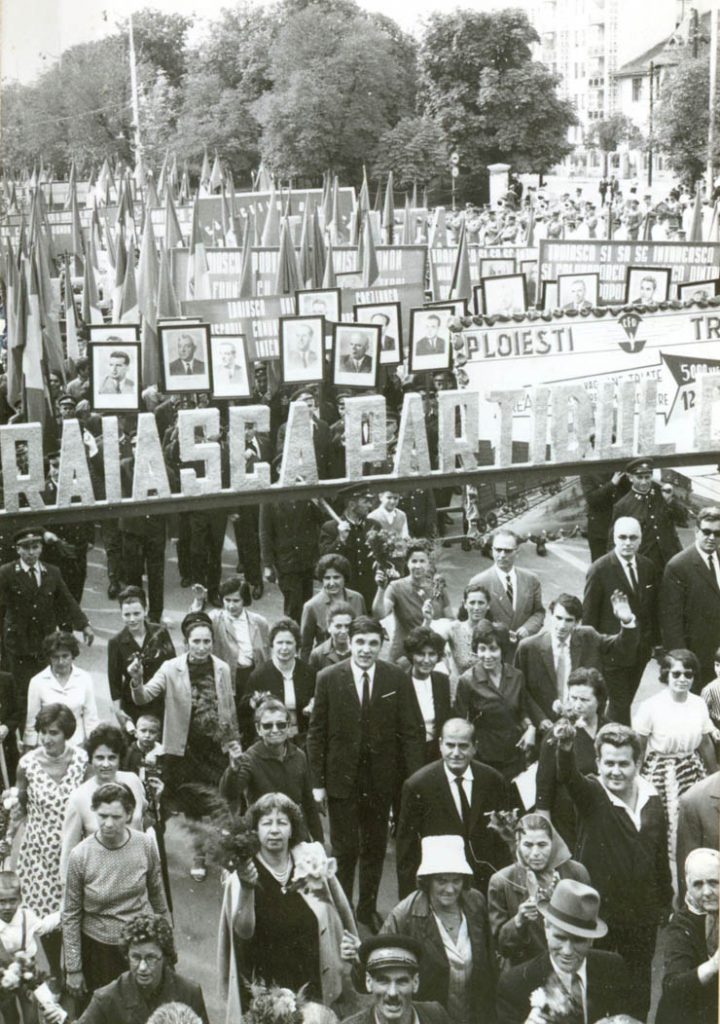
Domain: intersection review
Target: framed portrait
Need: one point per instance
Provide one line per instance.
(644, 285)
(356, 348)
(302, 349)
(185, 357)
(504, 295)
(529, 270)
(388, 317)
(229, 366)
(319, 302)
(430, 338)
(115, 376)
(698, 290)
(176, 320)
(496, 268)
(459, 306)
(477, 299)
(549, 295)
(119, 332)
(578, 291)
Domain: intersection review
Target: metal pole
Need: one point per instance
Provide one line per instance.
(134, 89)
(650, 124)
(711, 103)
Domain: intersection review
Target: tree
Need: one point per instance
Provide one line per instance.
(160, 42)
(682, 117)
(415, 150)
(607, 134)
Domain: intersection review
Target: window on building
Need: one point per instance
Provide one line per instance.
(637, 84)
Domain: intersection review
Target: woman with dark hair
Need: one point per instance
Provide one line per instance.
(516, 893)
(493, 697)
(62, 683)
(333, 572)
(458, 632)
(432, 705)
(675, 731)
(273, 930)
(112, 876)
(240, 637)
(284, 677)
(586, 698)
(141, 639)
(105, 750)
(46, 778)
(272, 765)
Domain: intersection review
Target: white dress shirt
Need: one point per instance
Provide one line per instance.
(77, 693)
(467, 784)
(358, 674)
(424, 695)
(11, 934)
(241, 631)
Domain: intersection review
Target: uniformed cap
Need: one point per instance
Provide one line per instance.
(354, 491)
(383, 951)
(27, 535)
(638, 465)
(66, 400)
(298, 394)
(52, 456)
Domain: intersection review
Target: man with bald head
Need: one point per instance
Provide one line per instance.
(625, 569)
(690, 976)
(357, 360)
(452, 796)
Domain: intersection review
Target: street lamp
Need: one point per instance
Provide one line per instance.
(454, 172)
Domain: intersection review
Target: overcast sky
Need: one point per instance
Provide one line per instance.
(34, 32)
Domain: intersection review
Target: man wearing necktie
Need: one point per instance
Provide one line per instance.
(588, 983)
(624, 568)
(117, 381)
(186, 364)
(690, 596)
(644, 502)
(515, 594)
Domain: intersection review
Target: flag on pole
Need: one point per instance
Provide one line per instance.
(185, 191)
(287, 280)
(369, 267)
(120, 268)
(33, 381)
(205, 173)
(433, 278)
(388, 217)
(414, 199)
(364, 197)
(91, 312)
(162, 177)
(356, 225)
(70, 187)
(319, 257)
(173, 234)
(695, 233)
(461, 285)
(530, 229)
(16, 313)
(408, 218)
(129, 309)
(152, 202)
(167, 302)
(78, 239)
(198, 282)
(147, 294)
(271, 228)
(329, 279)
(217, 178)
(305, 259)
(49, 306)
(378, 198)
(71, 325)
(247, 283)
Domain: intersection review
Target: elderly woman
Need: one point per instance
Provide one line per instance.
(450, 919)
(432, 705)
(112, 876)
(62, 683)
(675, 733)
(516, 893)
(281, 934)
(284, 677)
(458, 632)
(492, 696)
(141, 639)
(46, 779)
(332, 571)
(586, 697)
(272, 765)
(692, 958)
(240, 637)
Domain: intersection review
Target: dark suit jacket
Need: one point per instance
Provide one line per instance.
(29, 613)
(428, 1013)
(443, 711)
(606, 575)
(267, 677)
(698, 821)
(427, 808)
(528, 609)
(588, 649)
(497, 715)
(11, 715)
(157, 648)
(321, 444)
(684, 998)
(178, 367)
(121, 1002)
(690, 609)
(431, 346)
(347, 364)
(397, 743)
(608, 986)
(659, 537)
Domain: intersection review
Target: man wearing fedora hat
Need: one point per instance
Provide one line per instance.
(392, 977)
(594, 984)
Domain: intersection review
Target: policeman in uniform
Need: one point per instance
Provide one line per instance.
(348, 537)
(644, 502)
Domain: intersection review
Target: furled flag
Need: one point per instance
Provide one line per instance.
(461, 285)
(173, 234)
(120, 267)
(147, 293)
(305, 258)
(319, 256)
(71, 324)
(129, 309)
(247, 286)
(205, 172)
(364, 197)
(271, 228)
(33, 381)
(185, 191)
(217, 178)
(408, 229)
(695, 233)
(167, 302)
(388, 216)
(198, 280)
(287, 280)
(70, 187)
(78, 239)
(370, 270)
(91, 312)
(329, 280)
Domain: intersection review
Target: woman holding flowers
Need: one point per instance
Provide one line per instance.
(284, 913)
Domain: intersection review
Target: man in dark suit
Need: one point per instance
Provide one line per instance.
(547, 659)
(592, 983)
(452, 797)
(515, 594)
(186, 364)
(698, 821)
(600, 493)
(34, 601)
(626, 570)
(246, 521)
(644, 502)
(392, 977)
(363, 741)
(690, 596)
(431, 344)
(357, 359)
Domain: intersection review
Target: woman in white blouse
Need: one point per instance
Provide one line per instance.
(675, 730)
(62, 683)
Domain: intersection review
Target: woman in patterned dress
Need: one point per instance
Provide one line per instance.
(46, 777)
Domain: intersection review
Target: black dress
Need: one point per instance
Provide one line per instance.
(285, 949)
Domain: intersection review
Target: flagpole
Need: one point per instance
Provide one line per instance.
(713, 85)
(134, 90)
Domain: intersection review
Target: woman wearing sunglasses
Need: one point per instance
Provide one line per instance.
(675, 730)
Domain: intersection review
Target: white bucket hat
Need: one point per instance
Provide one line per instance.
(443, 855)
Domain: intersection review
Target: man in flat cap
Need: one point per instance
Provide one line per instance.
(392, 977)
(644, 502)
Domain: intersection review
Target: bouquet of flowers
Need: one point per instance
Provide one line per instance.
(225, 837)
(21, 976)
(553, 1004)
(206, 720)
(504, 823)
(270, 1004)
(388, 550)
(312, 869)
(9, 801)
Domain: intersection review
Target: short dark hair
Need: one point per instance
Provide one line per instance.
(417, 546)
(106, 735)
(332, 561)
(56, 713)
(120, 355)
(423, 636)
(150, 928)
(365, 624)
(128, 594)
(111, 792)
(616, 735)
(486, 631)
(285, 625)
(236, 584)
(340, 608)
(709, 513)
(686, 658)
(278, 802)
(571, 604)
(62, 641)
(471, 588)
(271, 704)
(591, 677)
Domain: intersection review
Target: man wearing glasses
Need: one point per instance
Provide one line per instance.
(690, 596)
(515, 594)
